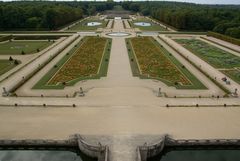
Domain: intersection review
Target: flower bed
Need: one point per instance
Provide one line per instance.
(80, 63)
(157, 63)
(85, 61)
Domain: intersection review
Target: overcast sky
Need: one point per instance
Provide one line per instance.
(202, 1)
(193, 1)
(211, 1)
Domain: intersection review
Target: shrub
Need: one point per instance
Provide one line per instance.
(5, 38)
(16, 62)
(10, 58)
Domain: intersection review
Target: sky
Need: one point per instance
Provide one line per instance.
(192, 1)
(211, 1)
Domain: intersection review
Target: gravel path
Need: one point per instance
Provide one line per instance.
(59, 123)
(109, 26)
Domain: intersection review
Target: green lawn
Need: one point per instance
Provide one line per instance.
(6, 65)
(28, 47)
(83, 25)
(88, 60)
(155, 62)
(153, 27)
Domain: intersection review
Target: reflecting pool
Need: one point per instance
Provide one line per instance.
(199, 155)
(43, 155)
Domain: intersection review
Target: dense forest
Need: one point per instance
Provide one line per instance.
(45, 15)
(224, 19)
(49, 15)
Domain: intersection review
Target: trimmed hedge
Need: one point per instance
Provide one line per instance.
(50, 37)
(224, 37)
(5, 38)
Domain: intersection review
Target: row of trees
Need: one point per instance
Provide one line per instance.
(42, 15)
(224, 19)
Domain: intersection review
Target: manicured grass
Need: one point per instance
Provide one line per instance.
(153, 27)
(150, 60)
(6, 65)
(17, 47)
(83, 25)
(233, 73)
(211, 54)
(88, 60)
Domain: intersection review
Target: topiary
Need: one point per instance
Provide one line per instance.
(10, 58)
(16, 62)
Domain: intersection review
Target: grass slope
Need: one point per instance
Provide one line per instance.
(6, 65)
(157, 63)
(233, 74)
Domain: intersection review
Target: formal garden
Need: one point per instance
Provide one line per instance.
(226, 62)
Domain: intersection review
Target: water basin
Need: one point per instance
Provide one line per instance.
(43, 155)
(94, 23)
(199, 155)
(144, 24)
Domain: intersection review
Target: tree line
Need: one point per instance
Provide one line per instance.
(224, 19)
(45, 15)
